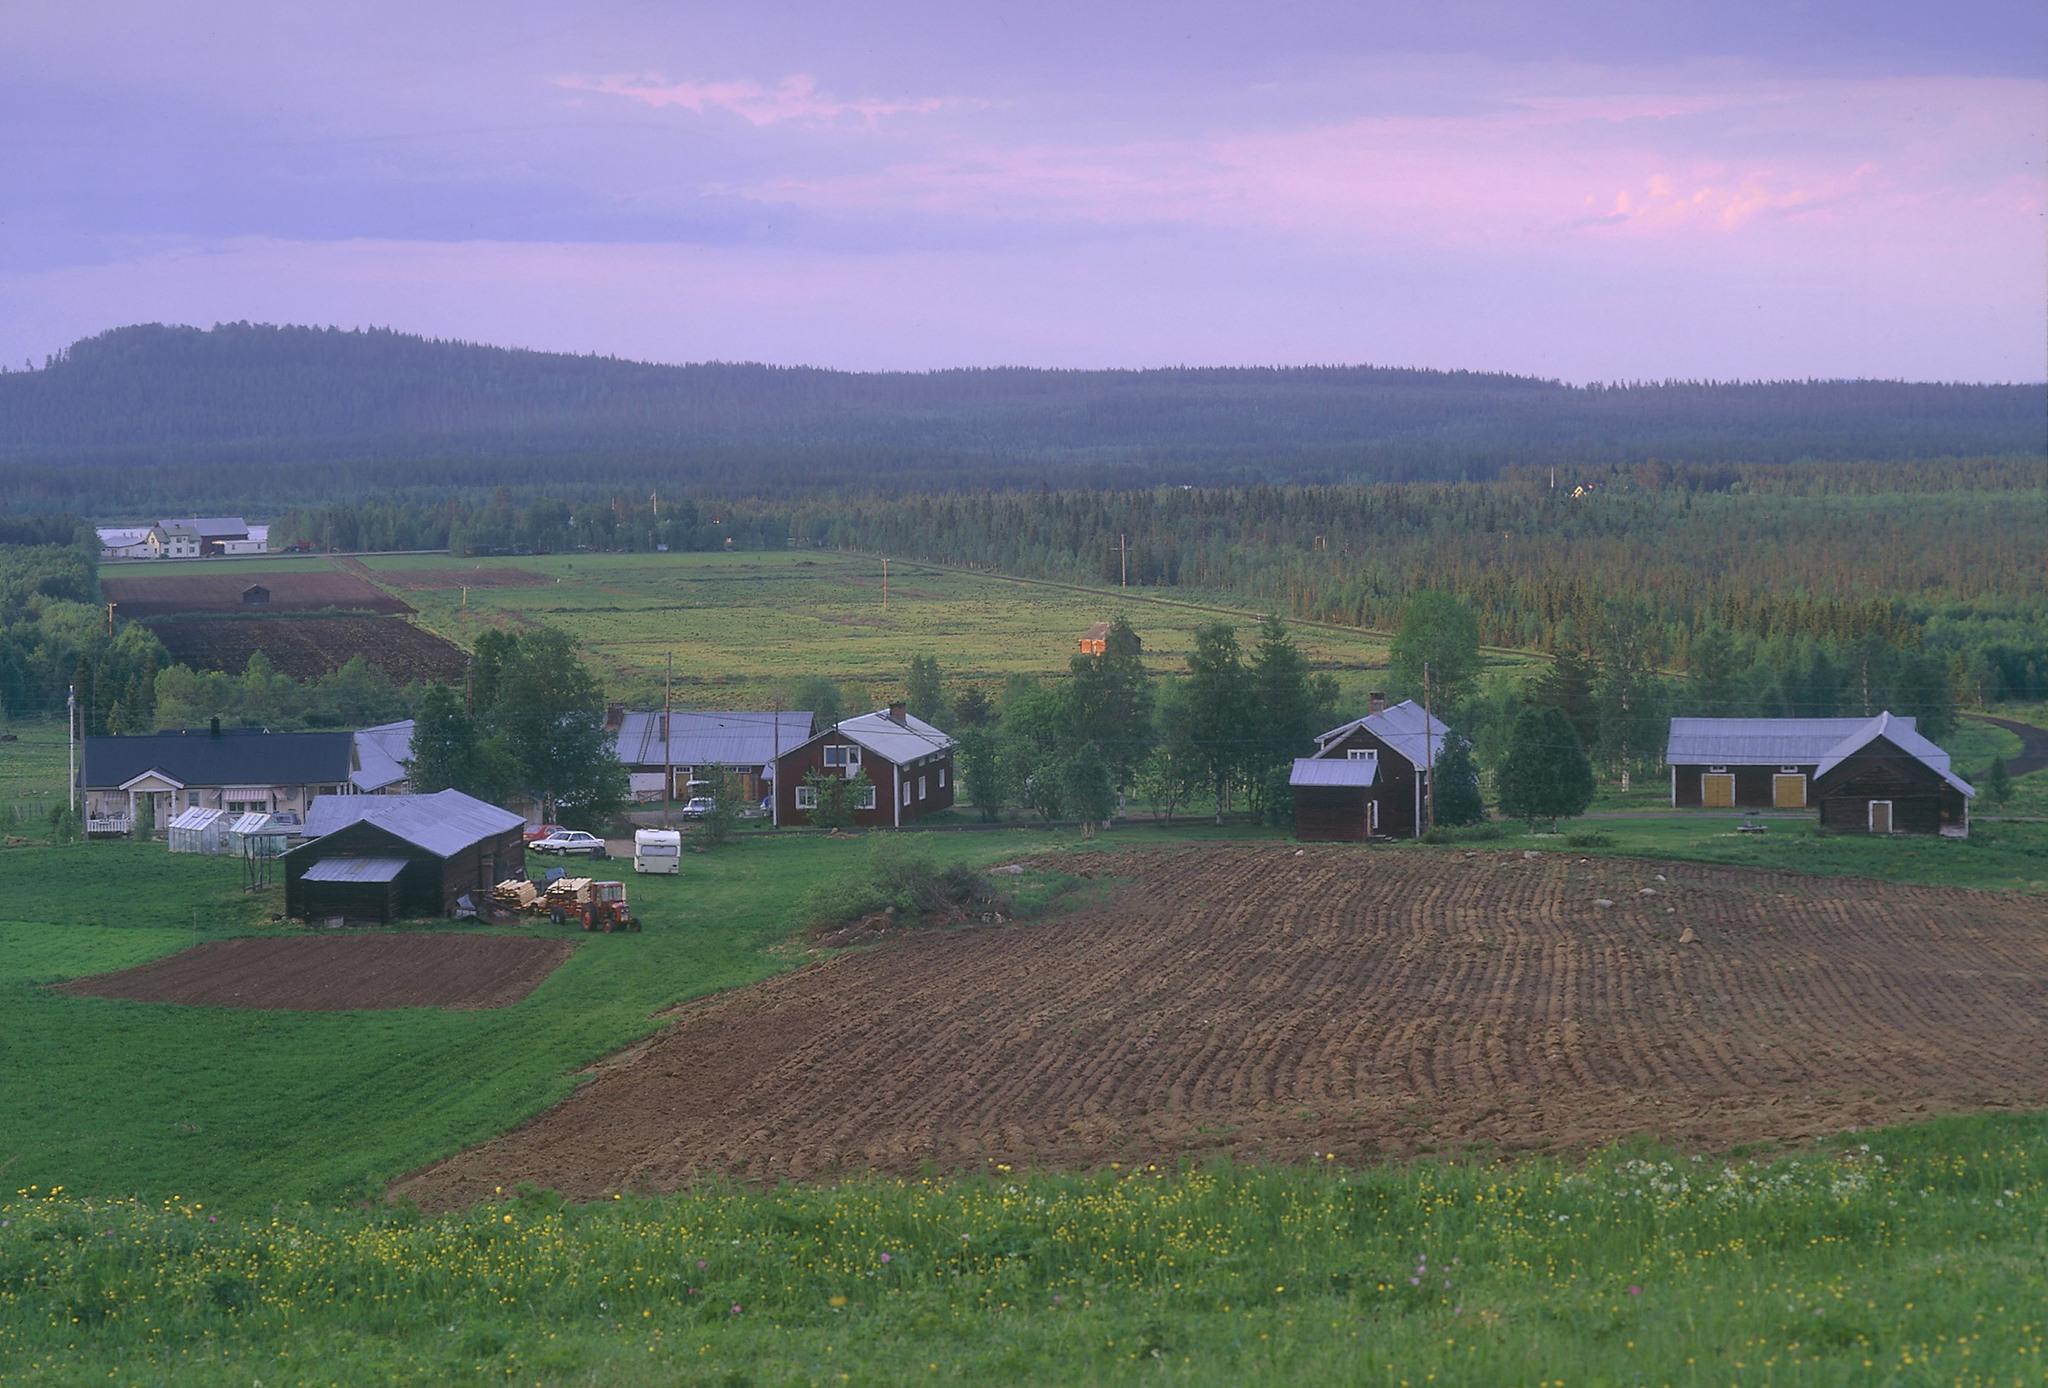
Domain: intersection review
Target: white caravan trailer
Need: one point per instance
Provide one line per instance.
(657, 850)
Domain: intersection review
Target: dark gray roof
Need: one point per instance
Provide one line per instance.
(443, 823)
(712, 738)
(1901, 733)
(231, 757)
(354, 870)
(211, 527)
(1333, 771)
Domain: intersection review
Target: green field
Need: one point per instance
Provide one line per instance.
(1895, 1257)
(744, 625)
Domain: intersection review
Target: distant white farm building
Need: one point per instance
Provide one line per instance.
(192, 537)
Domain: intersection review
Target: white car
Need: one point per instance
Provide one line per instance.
(699, 807)
(571, 841)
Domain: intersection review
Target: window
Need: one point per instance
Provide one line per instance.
(842, 756)
(942, 778)
(1363, 754)
(920, 787)
(867, 799)
(1788, 771)
(191, 799)
(807, 797)
(906, 792)
(1718, 770)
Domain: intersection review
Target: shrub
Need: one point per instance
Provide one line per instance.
(1472, 833)
(904, 883)
(1589, 838)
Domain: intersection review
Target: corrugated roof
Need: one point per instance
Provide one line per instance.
(1404, 727)
(195, 819)
(354, 870)
(1333, 771)
(1902, 734)
(895, 742)
(443, 823)
(1760, 741)
(211, 527)
(712, 738)
(381, 754)
(254, 822)
(232, 757)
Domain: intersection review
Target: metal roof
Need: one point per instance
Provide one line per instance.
(231, 757)
(255, 822)
(1761, 741)
(1404, 727)
(210, 527)
(1902, 734)
(900, 743)
(1333, 771)
(381, 755)
(195, 818)
(443, 823)
(354, 870)
(712, 738)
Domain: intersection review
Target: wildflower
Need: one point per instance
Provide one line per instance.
(735, 1308)
(885, 1258)
(837, 1302)
(1634, 1290)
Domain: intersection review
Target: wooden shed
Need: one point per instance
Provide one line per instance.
(1890, 780)
(1336, 799)
(446, 846)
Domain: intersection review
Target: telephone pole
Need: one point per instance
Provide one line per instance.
(71, 739)
(885, 583)
(1123, 552)
(1429, 755)
(668, 745)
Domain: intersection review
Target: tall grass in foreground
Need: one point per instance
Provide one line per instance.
(1918, 1256)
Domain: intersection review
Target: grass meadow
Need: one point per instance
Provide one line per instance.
(1904, 1256)
(745, 625)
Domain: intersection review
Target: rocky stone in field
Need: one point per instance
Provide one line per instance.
(1602, 902)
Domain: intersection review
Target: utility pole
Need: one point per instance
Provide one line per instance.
(668, 746)
(110, 617)
(71, 740)
(1428, 742)
(885, 583)
(1124, 553)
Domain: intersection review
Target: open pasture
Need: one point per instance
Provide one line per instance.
(1273, 1004)
(185, 592)
(743, 625)
(341, 973)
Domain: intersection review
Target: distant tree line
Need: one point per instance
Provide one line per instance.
(165, 418)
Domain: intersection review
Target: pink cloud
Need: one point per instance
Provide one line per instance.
(796, 99)
(1710, 160)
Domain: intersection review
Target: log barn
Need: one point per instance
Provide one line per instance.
(1881, 775)
(392, 857)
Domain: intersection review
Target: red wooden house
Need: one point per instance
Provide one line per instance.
(909, 764)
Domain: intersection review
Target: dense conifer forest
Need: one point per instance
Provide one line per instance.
(164, 418)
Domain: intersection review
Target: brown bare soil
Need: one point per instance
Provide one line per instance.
(428, 580)
(1276, 1004)
(308, 647)
(340, 973)
(221, 591)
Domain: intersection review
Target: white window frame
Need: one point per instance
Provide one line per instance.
(867, 798)
(807, 797)
(1891, 817)
(842, 755)
(1362, 754)
(942, 778)
(906, 791)
(920, 787)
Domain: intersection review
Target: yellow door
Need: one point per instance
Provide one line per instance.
(1788, 792)
(1880, 816)
(1717, 791)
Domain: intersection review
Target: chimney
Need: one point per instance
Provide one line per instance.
(1376, 702)
(214, 727)
(899, 712)
(614, 717)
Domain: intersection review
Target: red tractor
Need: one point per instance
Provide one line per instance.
(607, 910)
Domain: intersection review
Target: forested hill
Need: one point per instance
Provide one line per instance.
(234, 414)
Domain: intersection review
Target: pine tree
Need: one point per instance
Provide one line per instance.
(1545, 774)
(1457, 783)
(1998, 782)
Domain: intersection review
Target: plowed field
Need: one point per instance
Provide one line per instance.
(308, 647)
(340, 973)
(177, 594)
(1278, 1005)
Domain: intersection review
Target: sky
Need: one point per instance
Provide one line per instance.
(1614, 191)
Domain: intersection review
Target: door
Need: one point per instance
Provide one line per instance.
(1788, 792)
(1880, 816)
(1717, 790)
